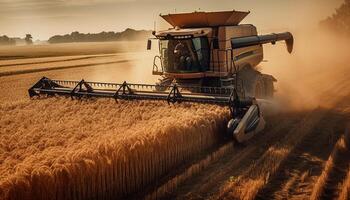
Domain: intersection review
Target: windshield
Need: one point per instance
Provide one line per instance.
(185, 55)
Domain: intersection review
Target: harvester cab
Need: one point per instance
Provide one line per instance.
(207, 57)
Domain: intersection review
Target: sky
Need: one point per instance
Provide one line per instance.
(45, 18)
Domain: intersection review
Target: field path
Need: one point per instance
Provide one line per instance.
(43, 69)
(45, 60)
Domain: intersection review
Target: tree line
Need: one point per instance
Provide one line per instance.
(128, 35)
(5, 40)
(339, 22)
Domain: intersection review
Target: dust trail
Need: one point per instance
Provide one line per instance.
(319, 62)
(61, 149)
(53, 60)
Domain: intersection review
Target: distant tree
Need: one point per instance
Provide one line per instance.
(340, 21)
(128, 34)
(4, 40)
(29, 39)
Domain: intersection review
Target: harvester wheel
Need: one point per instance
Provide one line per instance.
(256, 87)
(259, 88)
(269, 88)
(256, 84)
(253, 83)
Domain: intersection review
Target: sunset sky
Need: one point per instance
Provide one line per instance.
(44, 18)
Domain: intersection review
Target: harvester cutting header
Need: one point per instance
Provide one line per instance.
(206, 57)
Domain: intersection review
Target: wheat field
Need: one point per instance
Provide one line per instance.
(68, 49)
(57, 148)
(64, 63)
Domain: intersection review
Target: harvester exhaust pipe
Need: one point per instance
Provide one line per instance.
(264, 39)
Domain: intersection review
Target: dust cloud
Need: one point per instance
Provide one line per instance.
(319, 62)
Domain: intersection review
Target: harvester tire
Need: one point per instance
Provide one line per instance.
(269, 88)
(259, 90)
(253, 82)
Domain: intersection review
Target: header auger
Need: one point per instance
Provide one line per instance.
(207, 57)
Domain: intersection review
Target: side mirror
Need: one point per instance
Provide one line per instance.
(149, 44)
(215, 43)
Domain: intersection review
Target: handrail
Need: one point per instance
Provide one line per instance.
(155, 66)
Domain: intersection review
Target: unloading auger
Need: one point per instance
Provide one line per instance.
(207, 57)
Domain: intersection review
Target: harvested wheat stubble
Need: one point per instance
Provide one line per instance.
(61, 149)
(345, 192)
(251, 181)
(168, 187)
(341, 148)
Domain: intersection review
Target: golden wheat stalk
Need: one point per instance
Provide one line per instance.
(61, 149)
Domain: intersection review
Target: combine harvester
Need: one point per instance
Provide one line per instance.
(207, 57)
